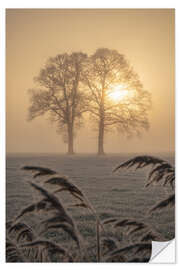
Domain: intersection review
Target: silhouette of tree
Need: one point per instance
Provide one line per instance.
(106, 70)
(60, 94)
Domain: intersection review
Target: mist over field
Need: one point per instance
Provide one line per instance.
(146, 38)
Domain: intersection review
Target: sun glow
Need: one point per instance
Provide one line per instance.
(118, 93)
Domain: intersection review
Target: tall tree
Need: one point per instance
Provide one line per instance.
(117, 98)
(60, 94)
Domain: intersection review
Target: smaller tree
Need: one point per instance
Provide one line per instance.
(60, 94)
(117, 98)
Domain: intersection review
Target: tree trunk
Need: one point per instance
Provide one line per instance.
(70, 140)
(101, 137)
(101, 123)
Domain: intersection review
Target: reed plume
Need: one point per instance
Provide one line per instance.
(22, 232)
(161, 171)
(134, 226)
(40, 171)
(67, 185)
(41, 205)
(69, 227)
(168, 202)
(139, 162)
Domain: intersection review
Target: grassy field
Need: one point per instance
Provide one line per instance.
(120, 195)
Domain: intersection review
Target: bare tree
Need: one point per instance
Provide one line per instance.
(106, 73)
(60, 94)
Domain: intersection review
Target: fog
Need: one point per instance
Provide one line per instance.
(145, 36)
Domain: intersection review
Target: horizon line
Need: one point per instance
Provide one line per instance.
(76, 153)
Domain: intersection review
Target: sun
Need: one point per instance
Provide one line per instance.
(118, 93)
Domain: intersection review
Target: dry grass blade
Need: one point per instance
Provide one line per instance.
(133, 225)
(41, 205)
(128, 222)
(22, 231)
(26, 234)
(109, 243)
(51, 246)
(138, 228)
(80, 198)
(151, 236)
(137, 247)
(41, 171)
(164, 167)
(67, 228)
(79, 205)
(140, 162)
(109, 220)
(169, 202)
(18, 227)
(66, 184)
(13, 253)
(121, 223)
(55, 202)
(161, 172)
(55, 219)
(74, 191)
(60, 222)
(46, 247)
(170, 178)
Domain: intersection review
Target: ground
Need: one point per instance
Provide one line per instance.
(120, 195)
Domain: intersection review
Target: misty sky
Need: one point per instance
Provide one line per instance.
(146, 37)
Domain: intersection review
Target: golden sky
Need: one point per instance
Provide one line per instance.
(145, 36)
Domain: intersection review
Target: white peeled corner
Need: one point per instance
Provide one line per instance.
(163, 252)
